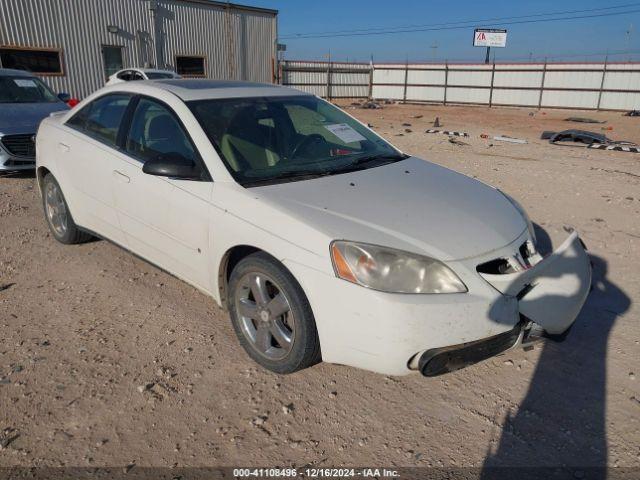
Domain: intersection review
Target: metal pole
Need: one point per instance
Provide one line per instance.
(329, 77)
(486, 59)
(406, 77)
(493, 73)
(544, 74)
(446, 80)
(370, 94)
(604, 74)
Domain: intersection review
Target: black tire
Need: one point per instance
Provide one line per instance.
(304, 348)
(66, 231)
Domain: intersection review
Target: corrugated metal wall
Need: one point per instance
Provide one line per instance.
(345, 80)
(239, 45)
(613, 86)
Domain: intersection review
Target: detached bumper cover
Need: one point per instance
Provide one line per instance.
(552, 292)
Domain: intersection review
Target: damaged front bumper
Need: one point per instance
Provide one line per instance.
(549, 294)
(552, 292)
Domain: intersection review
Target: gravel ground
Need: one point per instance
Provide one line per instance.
(107, 361)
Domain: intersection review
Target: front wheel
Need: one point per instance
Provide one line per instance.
(57, 213)
(272, 316)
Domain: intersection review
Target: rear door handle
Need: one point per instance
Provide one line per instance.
(121, 177)
(64, 147)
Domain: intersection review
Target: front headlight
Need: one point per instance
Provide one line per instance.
(524, 214)
(391, 270)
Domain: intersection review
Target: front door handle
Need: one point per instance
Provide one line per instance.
(64, 147)
(121, 177)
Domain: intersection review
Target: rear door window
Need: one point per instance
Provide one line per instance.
(101, 118)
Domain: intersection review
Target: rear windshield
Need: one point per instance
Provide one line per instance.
(159, 76)
(25, 90)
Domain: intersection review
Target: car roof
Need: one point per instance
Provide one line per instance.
(9, 72)
(200, 89)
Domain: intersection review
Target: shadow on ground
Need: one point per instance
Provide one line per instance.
(561, 421)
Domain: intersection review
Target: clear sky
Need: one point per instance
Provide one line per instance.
(574, 40)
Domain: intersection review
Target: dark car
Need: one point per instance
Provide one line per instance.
(24, 101)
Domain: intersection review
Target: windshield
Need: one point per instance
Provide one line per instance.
(277, 139)
(159, 75)
(25, 90)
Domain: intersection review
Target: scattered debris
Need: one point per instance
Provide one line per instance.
(447, 132)
(505, 138)
(8, 436)
(633, 113)
(370, 105)
(583, 120)
(418, 116)
(259, 421)
(606, 128)
(584, 137)
(617, 148)
(6, 286)
(406, 124)
(145, 387)
(436, 123)
(287, 409)
(408, 130)
(484, 135)
(455, 141)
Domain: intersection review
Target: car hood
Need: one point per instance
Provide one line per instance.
(411, 205)
(18, 118)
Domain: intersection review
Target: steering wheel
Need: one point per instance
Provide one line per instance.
(306, 141)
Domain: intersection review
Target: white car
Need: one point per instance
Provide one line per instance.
(134, 74)
(321, 239)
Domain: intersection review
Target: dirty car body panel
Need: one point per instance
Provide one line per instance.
(413, 211)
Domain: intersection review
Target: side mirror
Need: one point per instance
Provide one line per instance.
(65, 97)
(172, 165)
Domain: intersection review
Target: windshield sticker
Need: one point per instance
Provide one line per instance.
(25, 83)
(345, 133)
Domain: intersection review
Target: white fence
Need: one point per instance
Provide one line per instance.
(606, 86)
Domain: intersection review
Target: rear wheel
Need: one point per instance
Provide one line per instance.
(57, 213)
(272, 316)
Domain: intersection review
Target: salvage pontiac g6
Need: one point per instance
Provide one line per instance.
(322, 240)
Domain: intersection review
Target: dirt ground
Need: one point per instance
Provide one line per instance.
(85, 328)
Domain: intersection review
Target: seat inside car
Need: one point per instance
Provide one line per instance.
(247, 144)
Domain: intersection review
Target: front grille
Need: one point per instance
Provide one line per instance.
(20, 145)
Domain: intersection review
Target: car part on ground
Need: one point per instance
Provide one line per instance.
(505, 138)
(633, 113)
(583, 120)
(455, 141)
(448, 132)
(616, 148)
(581, 138)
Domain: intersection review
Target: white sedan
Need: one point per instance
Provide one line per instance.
(322, 240)
(136, 74)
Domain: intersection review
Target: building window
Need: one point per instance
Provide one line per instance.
(44, 62)
(190, 66)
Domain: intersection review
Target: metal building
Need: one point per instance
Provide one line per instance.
(74, 45)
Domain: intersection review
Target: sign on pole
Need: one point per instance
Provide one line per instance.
(489, 37)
